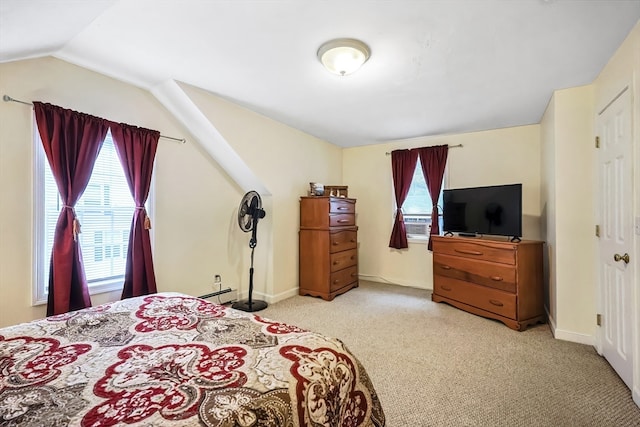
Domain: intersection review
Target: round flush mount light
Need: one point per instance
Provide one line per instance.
(343, 56)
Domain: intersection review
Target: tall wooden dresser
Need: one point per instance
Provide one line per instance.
(493, 278)
(328, 246)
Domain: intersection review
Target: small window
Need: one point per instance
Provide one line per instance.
(105, 212)
(417, 207)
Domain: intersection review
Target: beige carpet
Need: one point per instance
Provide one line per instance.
(435, 365)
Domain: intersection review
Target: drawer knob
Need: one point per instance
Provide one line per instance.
(354, 274)
(353, 257)
(445, 288)
(468, 252)
(343, 208)
(445, 267)
(336, 262)
(496, 302)
(496, 278)
(335, 282)
(336, 243)
(353, 240)
(343, 220)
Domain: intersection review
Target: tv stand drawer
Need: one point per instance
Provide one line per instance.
(475, 248)
(497, 276)
(492, 300)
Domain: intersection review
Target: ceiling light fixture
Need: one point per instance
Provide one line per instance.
(343, 56)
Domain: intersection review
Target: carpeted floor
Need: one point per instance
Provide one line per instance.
(435, 365)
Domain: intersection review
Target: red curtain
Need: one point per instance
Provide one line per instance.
(403, 164)
(136, 149)
(433, 161)
(71, 141)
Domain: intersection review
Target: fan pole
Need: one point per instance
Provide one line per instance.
(250, 305)
(253, 248)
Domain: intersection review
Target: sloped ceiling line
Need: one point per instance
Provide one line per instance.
(178, 103)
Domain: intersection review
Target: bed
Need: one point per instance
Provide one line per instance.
(170, 359)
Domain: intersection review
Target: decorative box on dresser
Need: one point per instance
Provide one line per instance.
(328, 246)
(498, 279)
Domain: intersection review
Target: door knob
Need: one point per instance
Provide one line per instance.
(618, 257)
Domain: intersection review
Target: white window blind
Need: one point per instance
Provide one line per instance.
(105, 211)
(417, 206)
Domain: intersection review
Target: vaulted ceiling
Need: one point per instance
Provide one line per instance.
(436, 67)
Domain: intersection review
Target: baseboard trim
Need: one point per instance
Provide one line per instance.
(574, 337)
(272, 299)
(283, 295)
(561, 334)
(380, 279)
(636, 396)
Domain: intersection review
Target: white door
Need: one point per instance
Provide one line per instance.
(616, 238)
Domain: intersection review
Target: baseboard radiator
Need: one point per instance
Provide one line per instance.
(224, 296)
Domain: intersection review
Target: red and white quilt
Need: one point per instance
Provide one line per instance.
(173, 360)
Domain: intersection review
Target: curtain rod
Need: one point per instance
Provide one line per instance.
(451, 146)
(7, 98)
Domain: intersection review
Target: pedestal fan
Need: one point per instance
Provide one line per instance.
(249, 212)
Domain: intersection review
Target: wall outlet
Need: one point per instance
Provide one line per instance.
(217, 279)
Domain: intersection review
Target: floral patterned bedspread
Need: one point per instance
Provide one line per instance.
(173, 360)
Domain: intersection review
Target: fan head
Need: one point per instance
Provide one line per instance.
(250, 209)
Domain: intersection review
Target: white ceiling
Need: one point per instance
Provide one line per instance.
(436, 67)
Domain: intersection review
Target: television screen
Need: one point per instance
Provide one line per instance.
(495, 210)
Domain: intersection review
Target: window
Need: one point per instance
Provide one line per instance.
(417, 207)
(105, 211)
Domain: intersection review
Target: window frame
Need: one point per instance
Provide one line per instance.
(424, 238)
(40, 273)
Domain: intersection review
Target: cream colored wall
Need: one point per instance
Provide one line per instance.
(548, 205)
(574, 241)
(501, 156)
(195, 231)
(194, 205)
(622, 70)
(286, 160)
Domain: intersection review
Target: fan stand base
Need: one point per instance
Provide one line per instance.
(256, 305)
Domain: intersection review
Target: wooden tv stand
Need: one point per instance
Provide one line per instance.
(494, 278)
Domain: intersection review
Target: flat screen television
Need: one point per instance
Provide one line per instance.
(492, 210)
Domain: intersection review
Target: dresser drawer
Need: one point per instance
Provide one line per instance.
(492, 300)
(341, 206)
(343, 240)
(342, 278)
(482, 250)
(343, 259)
(341, 220)
(324, 212)
(493, 275)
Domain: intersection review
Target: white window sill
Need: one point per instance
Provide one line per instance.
(94, 289)
(106, 286)
(422, 240)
